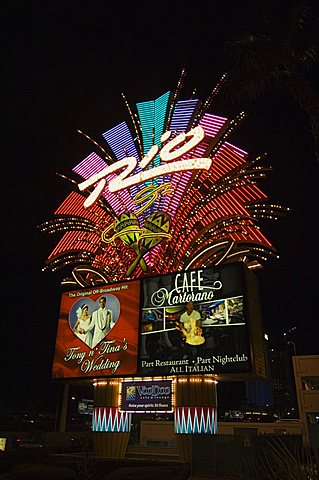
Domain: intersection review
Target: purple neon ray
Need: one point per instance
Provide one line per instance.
(121, 142)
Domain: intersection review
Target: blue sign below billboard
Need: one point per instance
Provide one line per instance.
(147, 396)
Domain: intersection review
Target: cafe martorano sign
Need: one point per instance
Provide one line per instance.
(188, 288)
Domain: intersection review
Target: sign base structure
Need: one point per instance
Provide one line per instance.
(193, 401)
(111, 428)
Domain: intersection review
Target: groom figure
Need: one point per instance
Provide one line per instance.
(101, 320)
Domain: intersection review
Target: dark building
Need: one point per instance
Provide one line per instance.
(259, 393)
(282, 382)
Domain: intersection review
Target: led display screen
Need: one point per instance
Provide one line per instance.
(194, 322)
(3, 442)
(146, 396)
(85, 406)
(98, 332)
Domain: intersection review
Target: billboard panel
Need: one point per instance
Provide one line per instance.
(204, 321)
(195, 322)
(3, 442)
(98, 332)
(146, 396)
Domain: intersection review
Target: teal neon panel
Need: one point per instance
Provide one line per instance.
(146, 113)
(152, 117)
(161, 104)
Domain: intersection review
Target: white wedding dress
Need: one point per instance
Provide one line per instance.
(85, 337)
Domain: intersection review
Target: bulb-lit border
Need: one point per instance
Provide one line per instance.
(148, 379)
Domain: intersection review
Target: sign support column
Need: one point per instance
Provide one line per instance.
(111, 428)
(195, 412)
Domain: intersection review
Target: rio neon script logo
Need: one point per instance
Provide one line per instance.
(169, 154)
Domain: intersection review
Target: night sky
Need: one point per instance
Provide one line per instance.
(65, 64)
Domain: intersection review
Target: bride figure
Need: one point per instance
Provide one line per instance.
(81, 325)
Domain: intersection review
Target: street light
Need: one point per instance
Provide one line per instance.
(294, 346)
(285, 334)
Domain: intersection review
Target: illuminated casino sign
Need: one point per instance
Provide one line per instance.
(165, 193)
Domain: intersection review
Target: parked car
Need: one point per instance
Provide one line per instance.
(291, 420)
(28, 443)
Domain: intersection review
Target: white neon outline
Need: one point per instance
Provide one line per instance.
(123, 180)
(204, 251)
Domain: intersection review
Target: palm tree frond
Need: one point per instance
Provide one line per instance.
(310, 57)
(298, 19)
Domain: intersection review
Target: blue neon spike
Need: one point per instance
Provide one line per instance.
(184, 114)
(121, 142)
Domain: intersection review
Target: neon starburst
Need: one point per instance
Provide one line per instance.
(169, 192)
